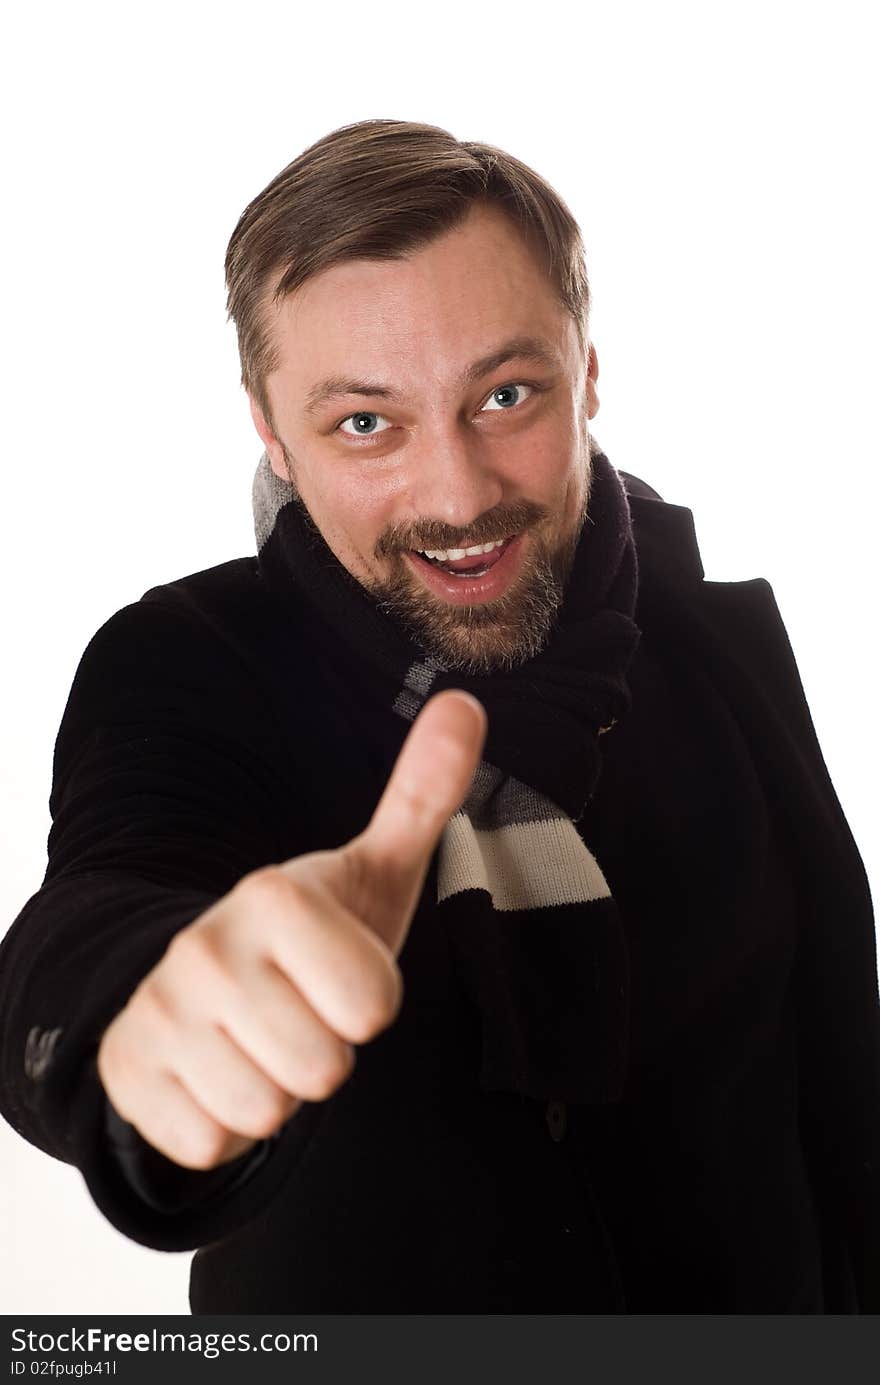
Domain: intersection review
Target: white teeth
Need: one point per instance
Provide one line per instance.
(450, 555)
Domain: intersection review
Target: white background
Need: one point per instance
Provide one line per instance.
(722, 162)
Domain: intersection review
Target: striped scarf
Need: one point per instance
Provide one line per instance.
(531, 920)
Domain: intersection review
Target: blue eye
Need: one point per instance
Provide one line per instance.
(507, 389)
(361, 432)
(364, 415)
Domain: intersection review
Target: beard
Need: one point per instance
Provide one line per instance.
(492, 635)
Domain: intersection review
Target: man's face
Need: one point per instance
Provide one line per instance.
(401, 437)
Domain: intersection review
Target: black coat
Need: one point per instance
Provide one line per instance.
(207, 733)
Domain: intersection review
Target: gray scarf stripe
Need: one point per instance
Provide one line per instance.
(506, 838)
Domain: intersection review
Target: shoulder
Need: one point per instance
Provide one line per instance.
(183, 653)
(225, 606)
(633, 485)
(179, 620)
(664, 535)
(225, 593)
(742, 615)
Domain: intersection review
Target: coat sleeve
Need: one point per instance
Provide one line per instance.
(165, 791)
(835, 978)
(736, 630)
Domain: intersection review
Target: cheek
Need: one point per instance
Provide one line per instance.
(546, 459)
(353, 511)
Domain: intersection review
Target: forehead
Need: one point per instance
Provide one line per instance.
(438, 310)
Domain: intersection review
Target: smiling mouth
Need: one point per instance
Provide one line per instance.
(465, 562)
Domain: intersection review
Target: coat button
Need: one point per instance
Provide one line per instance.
(557, 1119)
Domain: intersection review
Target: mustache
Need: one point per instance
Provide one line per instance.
(495, 524)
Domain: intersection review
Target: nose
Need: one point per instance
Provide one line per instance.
(453, 479)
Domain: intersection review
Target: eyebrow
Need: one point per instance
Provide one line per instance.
(533, 349)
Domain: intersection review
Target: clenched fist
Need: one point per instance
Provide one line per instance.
(257, 1004)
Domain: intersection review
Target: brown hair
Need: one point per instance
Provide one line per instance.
(377, 190)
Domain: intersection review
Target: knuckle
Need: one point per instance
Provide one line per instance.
(265, 888)
(378, 1003)
(192, 949)
(200, 1146)
(327, 1072)
(262, 1117)
(132, 1050)
(151, 1006)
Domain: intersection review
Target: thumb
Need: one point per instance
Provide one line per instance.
(428, 783)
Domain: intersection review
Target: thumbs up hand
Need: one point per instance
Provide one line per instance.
(257, 1004)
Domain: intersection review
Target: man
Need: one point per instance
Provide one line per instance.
(449, 909)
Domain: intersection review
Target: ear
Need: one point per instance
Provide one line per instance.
(269, 440)
(592, 377)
